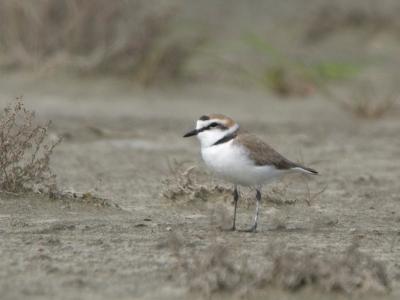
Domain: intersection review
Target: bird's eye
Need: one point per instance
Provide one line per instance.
(213, 124)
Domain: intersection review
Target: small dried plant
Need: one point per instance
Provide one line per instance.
(187, 183)
(350, 272)
(332, 17)
(211, 270)
(369, 108)
(217, 269)
(25, 152)
(368, 103)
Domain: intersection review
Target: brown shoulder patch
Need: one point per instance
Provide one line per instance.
(261, 153)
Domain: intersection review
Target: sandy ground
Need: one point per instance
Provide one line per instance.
(118, 141)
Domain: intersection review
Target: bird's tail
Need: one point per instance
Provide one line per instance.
(305, 170)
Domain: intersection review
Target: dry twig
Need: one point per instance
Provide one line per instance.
(25, 151)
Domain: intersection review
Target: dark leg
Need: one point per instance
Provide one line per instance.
(258, 198)
(235, 201)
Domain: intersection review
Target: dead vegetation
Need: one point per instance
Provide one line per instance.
(185, 184)
(211, 270)
(331, 18)
(287, 74)
(25, 151)
(349, 272)
(137, 38)
(371, 106)
(367, 102)
(218, 270)
(70, 196)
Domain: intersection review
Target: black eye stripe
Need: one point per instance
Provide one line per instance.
(213, 125)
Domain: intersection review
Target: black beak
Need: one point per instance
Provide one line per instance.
(191, 133)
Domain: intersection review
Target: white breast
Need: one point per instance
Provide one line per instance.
(232, 162)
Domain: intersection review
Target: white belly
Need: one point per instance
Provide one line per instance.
(232, 163)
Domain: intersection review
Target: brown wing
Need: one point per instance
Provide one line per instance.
(262, 153)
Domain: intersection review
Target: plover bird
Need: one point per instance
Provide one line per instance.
(240, 157)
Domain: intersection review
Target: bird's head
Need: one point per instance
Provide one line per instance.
(211, 128)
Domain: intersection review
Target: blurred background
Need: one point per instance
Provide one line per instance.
(287, 48)
(123, 80)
